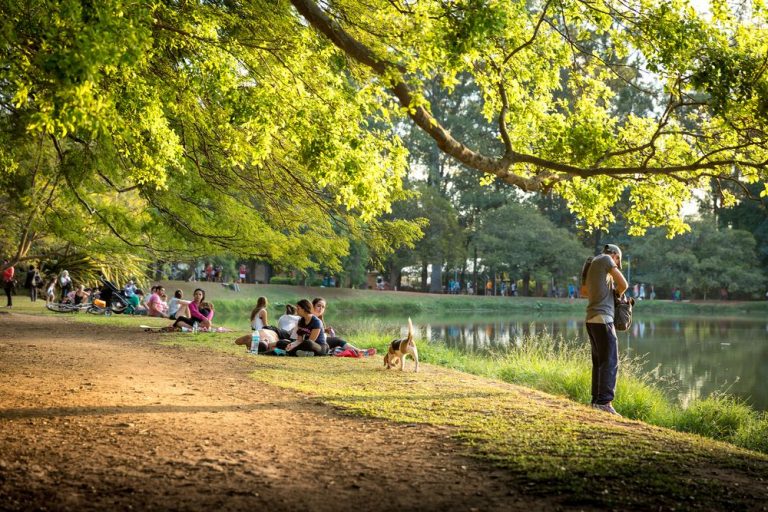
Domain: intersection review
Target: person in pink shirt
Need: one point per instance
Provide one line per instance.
(156, 306)
(197, 313)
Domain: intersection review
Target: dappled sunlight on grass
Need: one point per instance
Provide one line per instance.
(557, 442)
(538, 436)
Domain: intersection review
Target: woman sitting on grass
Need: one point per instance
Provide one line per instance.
(310, 335)
(259, 314)
(334, 342)
(198, 312)
(287, 324)
(81, 295)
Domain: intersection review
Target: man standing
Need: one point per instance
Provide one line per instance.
(604, 281)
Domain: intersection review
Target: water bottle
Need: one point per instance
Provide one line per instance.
(195, 327)
(255, 339)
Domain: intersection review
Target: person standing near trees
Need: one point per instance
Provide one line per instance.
(8, 274)
(33, 282)
(604, 281)
(65, 282)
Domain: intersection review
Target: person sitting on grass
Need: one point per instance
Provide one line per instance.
(198, 313)
(259, 315)
(156, 306)
(81, 295)
(310, 335)
(135, 301)
(177, 306)
(334, 342)
(288, 323)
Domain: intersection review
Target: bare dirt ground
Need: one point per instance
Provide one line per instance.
(93, 418)
(99, 418)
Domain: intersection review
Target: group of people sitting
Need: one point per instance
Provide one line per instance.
(185, 313)
(299, 332)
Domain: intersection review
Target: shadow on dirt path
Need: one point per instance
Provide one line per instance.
(94, 418)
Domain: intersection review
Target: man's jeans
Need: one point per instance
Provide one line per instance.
(605, 361)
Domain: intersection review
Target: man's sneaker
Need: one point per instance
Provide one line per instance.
(369, 352)
(606, 408)
(304, 353)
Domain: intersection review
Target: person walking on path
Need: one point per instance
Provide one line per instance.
(604, 281)
(8, 274)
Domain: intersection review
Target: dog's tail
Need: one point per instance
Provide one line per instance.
(410, 331)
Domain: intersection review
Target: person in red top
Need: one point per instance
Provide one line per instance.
(198, 313)
(8, 274)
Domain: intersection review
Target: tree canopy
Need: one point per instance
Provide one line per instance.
(189, 127)
(270, 128)
(545, 70)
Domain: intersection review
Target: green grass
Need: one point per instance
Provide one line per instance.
(541, 362)
(557, 446)
(564, 369)
(553, 445)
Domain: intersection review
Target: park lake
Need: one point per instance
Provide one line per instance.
(690, 357)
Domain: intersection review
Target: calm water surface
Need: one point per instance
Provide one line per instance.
(693, 356)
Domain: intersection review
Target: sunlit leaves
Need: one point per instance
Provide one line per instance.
(199, 127)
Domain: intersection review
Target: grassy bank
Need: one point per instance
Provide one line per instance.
(555, 446)
(564, 369)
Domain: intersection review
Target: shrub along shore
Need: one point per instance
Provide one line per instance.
(556, 444)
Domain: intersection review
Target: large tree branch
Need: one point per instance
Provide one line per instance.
(502, 168)
(445, 141)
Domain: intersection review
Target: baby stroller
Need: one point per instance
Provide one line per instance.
(111, 300)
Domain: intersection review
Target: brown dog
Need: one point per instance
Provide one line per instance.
(398, 349)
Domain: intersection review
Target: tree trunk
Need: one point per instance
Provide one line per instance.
(436, 286)
(395, 277)
(597, 238)
(424, 266)
(526, 284)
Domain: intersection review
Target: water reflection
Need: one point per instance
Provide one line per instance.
(693, 357)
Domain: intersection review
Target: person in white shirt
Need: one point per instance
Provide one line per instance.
(289, 322)
(259, 316)
(177, 306)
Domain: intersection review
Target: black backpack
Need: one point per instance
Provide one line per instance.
(622, 312)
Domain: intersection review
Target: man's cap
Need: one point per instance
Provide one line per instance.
(613, 249)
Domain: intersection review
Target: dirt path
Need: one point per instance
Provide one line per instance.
(93, 418)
